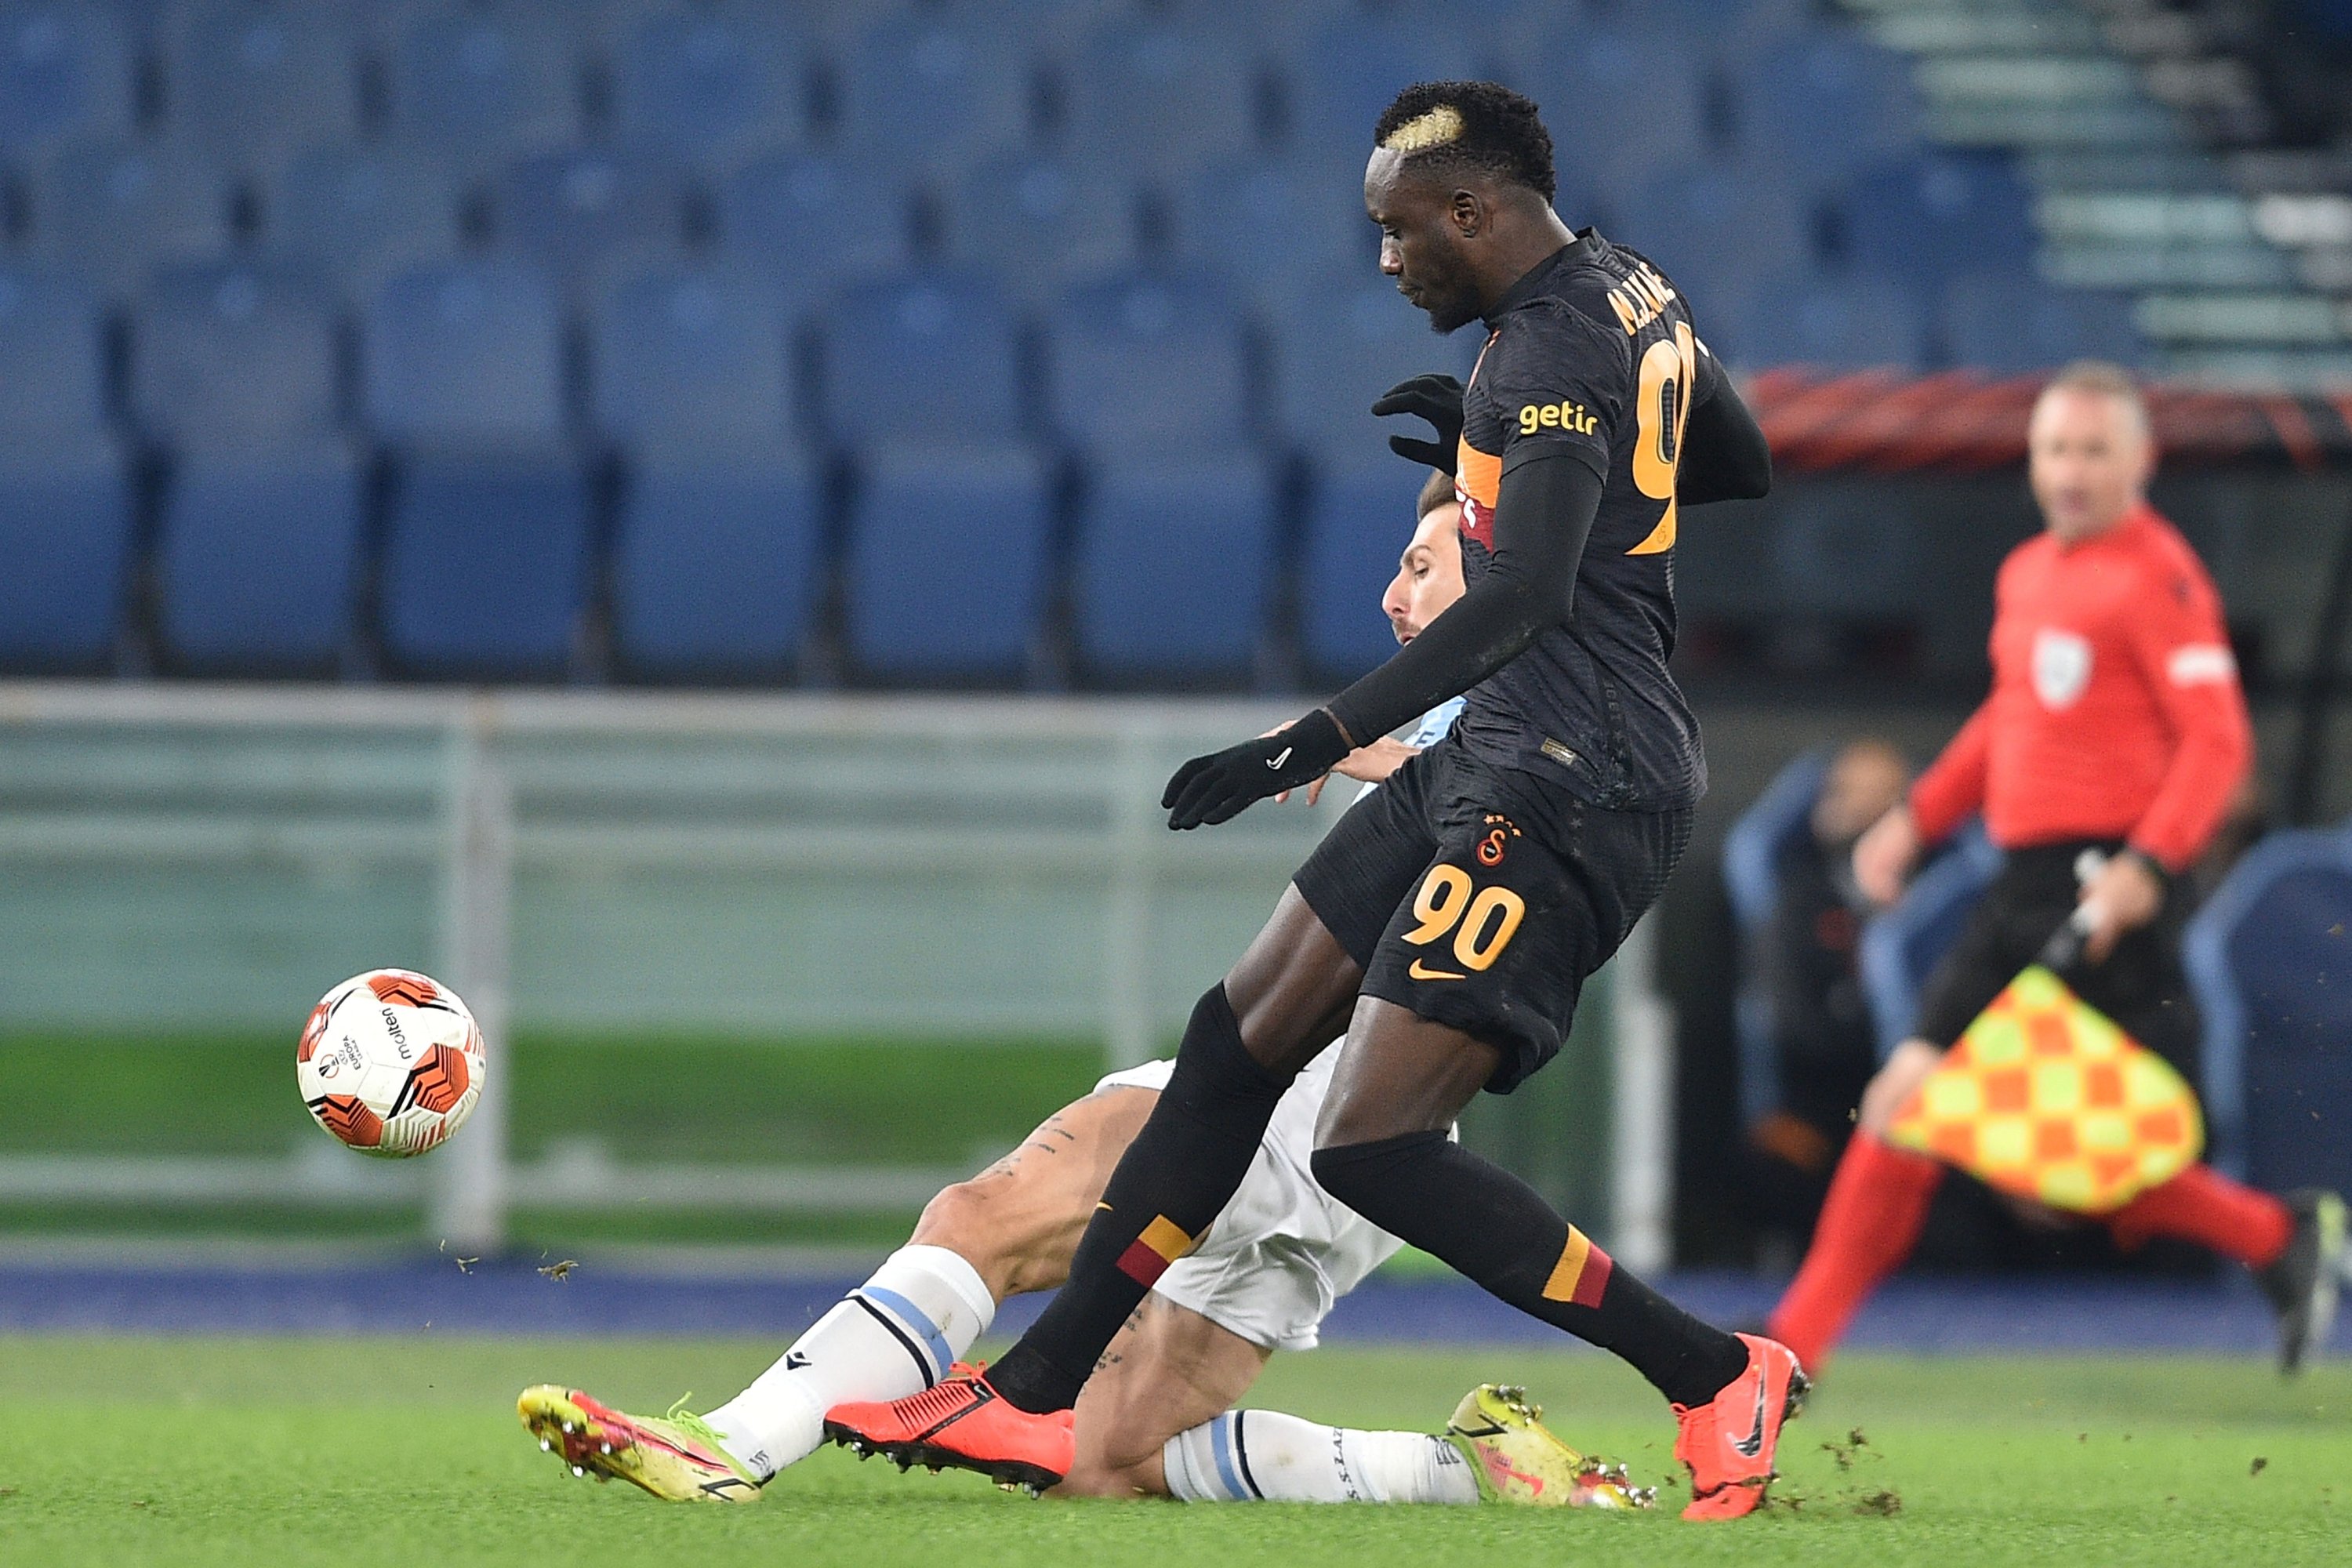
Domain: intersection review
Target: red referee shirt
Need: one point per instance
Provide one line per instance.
(2116, 710)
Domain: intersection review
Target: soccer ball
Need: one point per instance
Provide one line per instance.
(391, 1062)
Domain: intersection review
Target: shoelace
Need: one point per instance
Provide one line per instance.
(952, 1397)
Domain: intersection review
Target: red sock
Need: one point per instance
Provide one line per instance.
(1877, 1204)
(2202, 1205)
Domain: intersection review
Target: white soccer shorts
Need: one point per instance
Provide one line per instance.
(1284, 1250)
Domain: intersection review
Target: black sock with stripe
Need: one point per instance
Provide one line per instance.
(1169, 1187)
(1492, 1227)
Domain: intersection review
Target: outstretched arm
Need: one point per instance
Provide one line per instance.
(1543, 514)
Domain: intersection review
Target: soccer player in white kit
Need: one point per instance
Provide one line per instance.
(1157, 1417)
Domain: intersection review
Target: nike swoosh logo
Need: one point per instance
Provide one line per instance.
(1280, 757)
(1420, 972)
(1751, 1445)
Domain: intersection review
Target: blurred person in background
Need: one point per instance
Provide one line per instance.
(1825, 1049)
(1157, 1420)
(2116, 728)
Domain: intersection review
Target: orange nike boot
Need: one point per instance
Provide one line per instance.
(1726, 1443)
(962, 1423)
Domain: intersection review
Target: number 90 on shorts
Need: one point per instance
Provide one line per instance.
(1481, 920)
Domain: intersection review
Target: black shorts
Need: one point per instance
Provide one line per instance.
(1480, 898)
(2140, 985)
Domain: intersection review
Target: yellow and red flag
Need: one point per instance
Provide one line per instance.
(2045, 1097)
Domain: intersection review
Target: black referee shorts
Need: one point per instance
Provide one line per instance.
(2141, 985)
(1480, 898)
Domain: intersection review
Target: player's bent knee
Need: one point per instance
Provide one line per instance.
(966, 1220)
(1366, 1176)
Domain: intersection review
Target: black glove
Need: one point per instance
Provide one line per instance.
(1436, 398)
(1215, 788)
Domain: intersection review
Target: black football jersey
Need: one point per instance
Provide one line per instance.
(1591, 354)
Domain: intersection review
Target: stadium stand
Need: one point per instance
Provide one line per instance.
(66, 74)
(948, 572)
(65, 499)
(718, 521)
(937, 93)
(1176, 531)
(1901, 948)
(1347, 563)
(486, 565)
(1778, 816)
(934, 358)
(710, 88)
(253, 82)
(1151, 362)
(111, 213)
(258, 557)
(361, 214)
(477, 89)
(768, 211)
(586, 213)
(1850, 193)
(2266, 955)
(1042, 223)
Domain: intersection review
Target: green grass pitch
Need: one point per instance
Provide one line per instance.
(406, 1450)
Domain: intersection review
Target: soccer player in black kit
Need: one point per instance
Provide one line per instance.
(1448, 922)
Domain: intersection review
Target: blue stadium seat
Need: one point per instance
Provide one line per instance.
(229, 356)
(2011, 322)
(711, 88)
(1042, 223)
(482, 87)
(1163, 97)
(362, 215)
(1342, 80)
(1927, 217)
(65, 554)
(924, 359)
(947, 573)
(813, 224)
(1223, 214)
(1779, 820)
(2266, 958)
(1149, 363)
(66, 76)
(584, 213)
(233, 367)
(1358, 518)
(52, 362)
(486, 566)
(1707, 227)
(466, 354)
(1901, 948)
(255, 81)
(1821, 103)
(1638, 83)
(113, 213)
(692, 361)
(935, 92)
(65, 497)
(1339, 347)
(1836, 322)
(1174, 530)
(259, 556)
(714, 562)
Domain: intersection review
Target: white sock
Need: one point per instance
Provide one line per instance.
(894, 1335)
(1263, 1456)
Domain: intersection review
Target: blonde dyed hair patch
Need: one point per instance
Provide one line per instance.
(1437, 127)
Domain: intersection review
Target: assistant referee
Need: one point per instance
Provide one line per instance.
(2115, 726)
